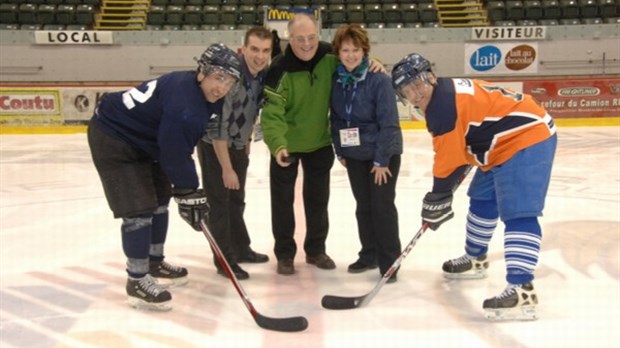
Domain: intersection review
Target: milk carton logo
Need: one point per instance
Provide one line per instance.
(485, 58)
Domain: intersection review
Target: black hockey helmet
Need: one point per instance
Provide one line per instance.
(412, 66)
(219, 57)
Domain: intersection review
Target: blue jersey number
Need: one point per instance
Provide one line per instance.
(134, 95)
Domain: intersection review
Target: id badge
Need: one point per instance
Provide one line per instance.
(350, 137)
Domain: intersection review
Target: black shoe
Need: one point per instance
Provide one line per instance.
(359, 267)
(286, 267)
(240, 274)
(252, 256)
(322, 261)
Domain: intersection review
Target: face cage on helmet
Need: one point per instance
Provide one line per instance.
(208, 69)
(410, 79)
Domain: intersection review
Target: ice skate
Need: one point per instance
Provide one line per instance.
(466, 267)
(167, 275)
(517, 302)
(145, 293)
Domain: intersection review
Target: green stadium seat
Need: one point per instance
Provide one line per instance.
(192, 15)
(410, 13)
(373, 13)
(46, 14)
(428, 12)
(247, 15)
(8, 13)
(84, 14)
(570, 9)
(65, 14)
(551, 9)
(391, 13)
(533, 9)
(591, 21)
(588, 8)
(211, 15)
(228, 15)
(27, 14)
(174, 14)
(607, 8)
(515, 10)
(355, 13)
(496, 10)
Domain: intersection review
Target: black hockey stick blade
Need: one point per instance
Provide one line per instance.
(291, 324)
(339, 302)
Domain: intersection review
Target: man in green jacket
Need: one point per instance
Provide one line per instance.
(295, 126)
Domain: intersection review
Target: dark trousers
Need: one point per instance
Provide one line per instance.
(316, 167)
(377, 217)
(225, 220)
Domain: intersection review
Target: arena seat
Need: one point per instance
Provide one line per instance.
(26, 14)
(156, 15)
(515, 10)
(65, 14)
(410, 13)
(355, 13)
(548, 22)
(336, 13)
(53, 26)
(247, 15)
(551, 9)
(427, 12)
(174, 14)
(7, 26)
(588, 8)
(527, 22)
(607, 8)
(84, 14)
(192, 15)
(391, 13)
(496, 10)
(46, 14)
(228, 15)
(570, 21)
(8, 13)
(211, 15)
(592, 21)
(533, 10)
(570, 9)
(374, 13)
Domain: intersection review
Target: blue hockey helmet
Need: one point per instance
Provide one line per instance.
(412, 66)
(219, 57)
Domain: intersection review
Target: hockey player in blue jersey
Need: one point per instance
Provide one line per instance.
(141, 141)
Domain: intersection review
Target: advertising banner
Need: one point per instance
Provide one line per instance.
(501, 58)
(51, 105)
(596, 97)
(73, 37)
(277, 18)
(30, 105)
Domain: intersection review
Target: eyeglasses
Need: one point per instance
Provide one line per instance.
(303, 39)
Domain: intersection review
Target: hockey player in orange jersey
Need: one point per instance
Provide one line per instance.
(512, 141)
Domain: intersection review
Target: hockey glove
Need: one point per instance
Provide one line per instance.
(193, 206)
(437, 209)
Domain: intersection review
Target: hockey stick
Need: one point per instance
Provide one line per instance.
(341, 302)
(291, 324)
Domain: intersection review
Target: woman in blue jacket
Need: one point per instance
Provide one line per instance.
(368, 142)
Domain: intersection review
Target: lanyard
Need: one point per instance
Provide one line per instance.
(348, 104)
